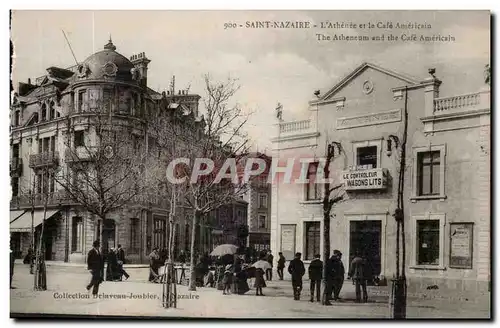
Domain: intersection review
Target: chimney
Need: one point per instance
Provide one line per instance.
(141, 62)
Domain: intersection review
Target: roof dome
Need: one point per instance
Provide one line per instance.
(107, 64)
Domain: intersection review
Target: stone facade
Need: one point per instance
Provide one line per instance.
(364, 113)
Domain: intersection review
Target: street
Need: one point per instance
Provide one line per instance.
(66, 294)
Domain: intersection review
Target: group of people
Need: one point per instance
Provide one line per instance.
(95, 265)
(335, 274)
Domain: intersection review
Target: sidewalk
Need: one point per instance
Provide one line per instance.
(140, 298)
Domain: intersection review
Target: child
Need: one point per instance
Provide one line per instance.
(228, 273)
(259, 281)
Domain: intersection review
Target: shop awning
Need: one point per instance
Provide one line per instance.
(23, 223)
(14, 215)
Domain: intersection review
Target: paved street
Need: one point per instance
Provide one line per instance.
(144, 299)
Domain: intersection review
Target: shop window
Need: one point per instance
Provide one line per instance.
(312, 187)
(428, 246)
(313, 237)
(366, 157)
(262, 221)
(77, 234)
(428, 171)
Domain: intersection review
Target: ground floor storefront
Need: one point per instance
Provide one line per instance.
(438, 246)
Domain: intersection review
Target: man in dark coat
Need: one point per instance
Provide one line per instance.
(329, 279)
(12, 261)
(281, 265)
(95, 264)
(315, 276)
(120, 256)
(269, 272)
(358, 273)
(338, 274)
(297, 270)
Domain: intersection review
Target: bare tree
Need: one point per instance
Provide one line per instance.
(103, 168)
(331, 197)
(221, 139)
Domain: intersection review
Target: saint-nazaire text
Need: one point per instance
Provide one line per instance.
(278, 24)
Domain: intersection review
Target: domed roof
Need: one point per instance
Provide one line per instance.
(106, 64)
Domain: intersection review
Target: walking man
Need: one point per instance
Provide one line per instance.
(281, 265)
(297, 270)
(95, 264)
(269, 272)
(120, 255)
(358, 273)
(338, 274)
(315, 276)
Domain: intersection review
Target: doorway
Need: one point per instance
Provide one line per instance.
(365, 236)
(108, 235)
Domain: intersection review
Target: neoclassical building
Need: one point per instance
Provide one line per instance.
(446, 188)
(48, 115)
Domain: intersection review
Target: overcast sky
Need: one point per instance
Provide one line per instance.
(272, 65)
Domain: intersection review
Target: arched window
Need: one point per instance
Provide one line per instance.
(52, 111)
(44, 112)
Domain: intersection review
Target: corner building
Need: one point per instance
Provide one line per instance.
(446, 186)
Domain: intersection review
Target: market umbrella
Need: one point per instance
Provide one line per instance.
(225, 249)
(261, 264)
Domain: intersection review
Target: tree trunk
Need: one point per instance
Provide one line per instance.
(40, 272)
(192, 279)
(326, 253)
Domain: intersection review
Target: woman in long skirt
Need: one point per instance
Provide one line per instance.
(260, 282)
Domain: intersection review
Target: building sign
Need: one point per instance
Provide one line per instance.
(365, 179)
(369, 119)
(461, 245)
(288, 241)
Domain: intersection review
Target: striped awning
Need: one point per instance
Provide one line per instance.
(23, 223)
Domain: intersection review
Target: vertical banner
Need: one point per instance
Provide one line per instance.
(461, 238)
(288, 240)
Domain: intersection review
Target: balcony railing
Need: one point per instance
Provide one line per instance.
(16, 167)
(457, 102)
(79, 154)
(50, 158)
(27, 200)
(287, 127)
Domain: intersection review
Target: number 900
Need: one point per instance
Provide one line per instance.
(230, 25)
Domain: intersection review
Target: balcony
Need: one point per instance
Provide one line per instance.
(79, 154)
(294, 126)
(50, 158)
(368, 179)
(16, 167)
(37, 200)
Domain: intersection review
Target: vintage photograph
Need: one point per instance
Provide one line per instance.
(250, 164)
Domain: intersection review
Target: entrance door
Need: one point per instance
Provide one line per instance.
(108, 235)
(365, 236)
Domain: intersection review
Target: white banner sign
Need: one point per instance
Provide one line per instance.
(364, 179)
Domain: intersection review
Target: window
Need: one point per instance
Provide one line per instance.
(107, 95)
(262, 221)
(52, 113)
(159, 231)
(17, 115)
(312, 187)
(44, 113)
(262, 200)
(313, 236)
(428, 172)
(428, 242)
(81, 95)
(15, 186)
(52, 181)
(134, 235)
(366, 157)
(79, 139)
(77, 234)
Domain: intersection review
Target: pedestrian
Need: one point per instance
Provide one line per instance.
(296, 270)
(269, 272)
(227, 280)
(281, 265)
(112, 267)
(120, 256)
(338, 274)
(261, 266)
(95, 265)
(315, 275)
(329, 279)
(154, 258)
(358, 273)
(12, 262)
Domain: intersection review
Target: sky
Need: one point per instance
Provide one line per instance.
(271, 65)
